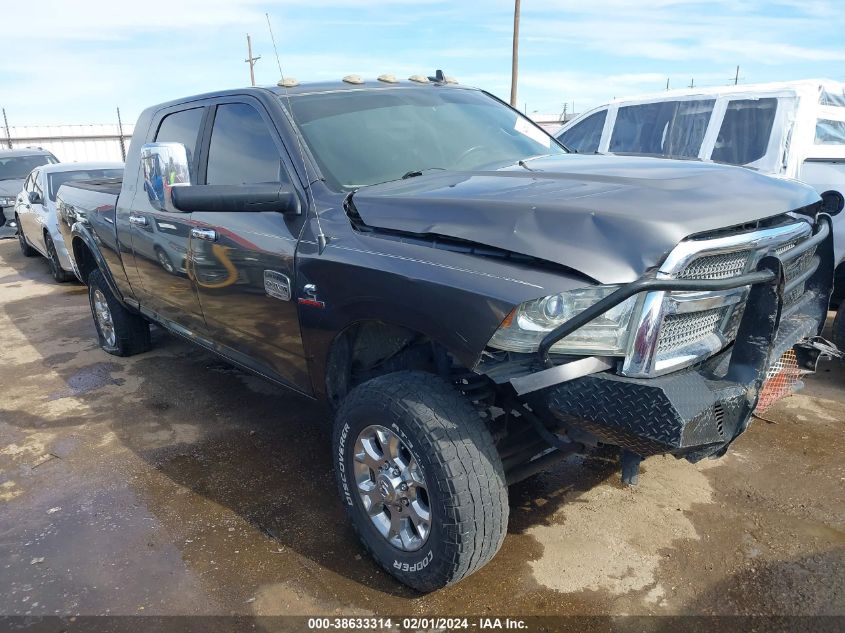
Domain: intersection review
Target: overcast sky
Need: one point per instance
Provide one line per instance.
(74, 61)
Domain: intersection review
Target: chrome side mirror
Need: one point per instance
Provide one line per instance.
(164, 165)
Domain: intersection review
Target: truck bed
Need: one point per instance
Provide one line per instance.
(101, 185)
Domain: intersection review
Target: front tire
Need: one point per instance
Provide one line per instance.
(120, 332)
(26, 249)
(420, 478)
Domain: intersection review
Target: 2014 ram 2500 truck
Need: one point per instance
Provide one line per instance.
(471, 299)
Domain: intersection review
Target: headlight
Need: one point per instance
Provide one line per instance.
(7, 202)
(531, 321)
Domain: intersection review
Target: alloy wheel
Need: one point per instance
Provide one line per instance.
(392, 488)
(104, 318)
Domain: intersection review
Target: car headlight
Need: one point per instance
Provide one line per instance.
(530, 322)
(7, 202)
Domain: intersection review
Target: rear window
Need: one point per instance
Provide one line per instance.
(673, 129)
(584, 137)
(746, 128)
(54, 181)
(830, 132)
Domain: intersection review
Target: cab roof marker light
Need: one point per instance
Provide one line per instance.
(287, 82)
(420, 79)
(388, 78)
(353, 79)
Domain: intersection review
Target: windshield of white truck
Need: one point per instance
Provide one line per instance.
(366, 137)
(18, 167)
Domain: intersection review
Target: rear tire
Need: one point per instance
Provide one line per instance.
(26, 249)
(119, 331)
(839, 328)
(56, 270)
(451, 451)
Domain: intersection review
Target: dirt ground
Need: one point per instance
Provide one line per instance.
(170, 483)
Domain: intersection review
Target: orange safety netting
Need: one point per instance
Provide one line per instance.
(780, 381)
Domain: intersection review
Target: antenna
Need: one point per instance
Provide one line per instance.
(322, 240)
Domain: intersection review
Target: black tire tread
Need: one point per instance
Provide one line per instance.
(132, 330)
(61, 276)
(26, 249)
(455, 435)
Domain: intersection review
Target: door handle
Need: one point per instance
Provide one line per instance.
(209, 235)
(138, 220)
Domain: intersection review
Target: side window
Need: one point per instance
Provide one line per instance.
(36, 185)
(242, 150)
(673, 129)
(585, 136)
(746, 128)
(182, 127)
(830, 132)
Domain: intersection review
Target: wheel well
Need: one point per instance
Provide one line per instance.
(838, 286)
(85, 261)
(374, 348)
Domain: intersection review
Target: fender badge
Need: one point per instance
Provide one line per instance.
(277, 285)
(311, 299)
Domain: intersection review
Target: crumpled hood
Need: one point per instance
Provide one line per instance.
(609, 217)
(10, 188)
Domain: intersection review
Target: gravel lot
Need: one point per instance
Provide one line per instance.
(170, 483)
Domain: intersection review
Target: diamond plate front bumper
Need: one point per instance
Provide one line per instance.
(699, 411)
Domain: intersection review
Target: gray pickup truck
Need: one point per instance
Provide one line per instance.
(473, 301)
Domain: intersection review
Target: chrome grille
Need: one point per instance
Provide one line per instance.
(675, 330)
(681, 331)
(720, 266)
(780, 250)
(794, 269)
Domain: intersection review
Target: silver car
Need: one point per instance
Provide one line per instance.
(15, 164)
(35, 210)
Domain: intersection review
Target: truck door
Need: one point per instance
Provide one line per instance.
(244, 261)
(160, 237)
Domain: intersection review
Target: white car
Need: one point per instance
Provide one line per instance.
(35, 210)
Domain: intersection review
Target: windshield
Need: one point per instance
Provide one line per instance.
(18, 167)
(366, 137)
(54, 181)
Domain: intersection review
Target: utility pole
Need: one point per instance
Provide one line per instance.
(8, 134)
(736, 77)
(692, 83)
(667, 83)
(250, 59)
(515, 57)
(120, 135)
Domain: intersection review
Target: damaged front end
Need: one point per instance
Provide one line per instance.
(720, 316)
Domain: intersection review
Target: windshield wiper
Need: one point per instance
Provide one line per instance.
(419, 172)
